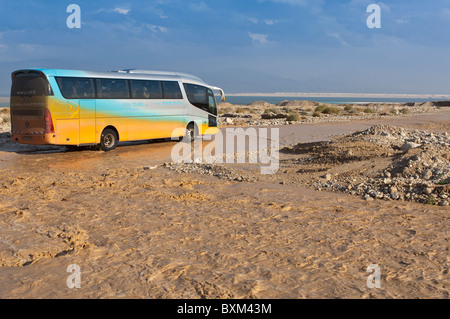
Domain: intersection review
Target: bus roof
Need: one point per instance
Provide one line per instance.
(125, 74)
(129, 74)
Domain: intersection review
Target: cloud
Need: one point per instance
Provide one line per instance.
(122, 11)
(338, 37)
(199, 7)
(157, 28)
(258, 37)
(253, 20)
(401, 21)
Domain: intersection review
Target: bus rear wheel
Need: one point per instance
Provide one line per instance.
(109, 140)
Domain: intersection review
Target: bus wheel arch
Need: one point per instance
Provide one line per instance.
(109, 139)
(191, 131)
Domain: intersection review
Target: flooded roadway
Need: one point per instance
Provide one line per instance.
(150, 153)
(162, 234)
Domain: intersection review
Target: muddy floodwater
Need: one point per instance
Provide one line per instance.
(137, 229)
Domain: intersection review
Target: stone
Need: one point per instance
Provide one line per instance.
(409, 145)
(228, 121)
(427, 174)
(395, 195)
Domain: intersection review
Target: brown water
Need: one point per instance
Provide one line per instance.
(156, 233)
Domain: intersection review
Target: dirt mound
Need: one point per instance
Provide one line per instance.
(297, 103)
(338, 152)
(418, 168)
(260, 104)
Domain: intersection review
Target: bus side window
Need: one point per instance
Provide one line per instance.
(172, 90)
(212, 103)
(76, 88)
(146, 89)
(113, 89)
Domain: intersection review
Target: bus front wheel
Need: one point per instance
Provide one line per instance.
(109, 140)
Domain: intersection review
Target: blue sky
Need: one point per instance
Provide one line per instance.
(242, 46)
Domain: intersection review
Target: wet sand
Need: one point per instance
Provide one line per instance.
(151, 232)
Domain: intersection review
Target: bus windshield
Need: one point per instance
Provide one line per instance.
(30, 84)
(201, 97)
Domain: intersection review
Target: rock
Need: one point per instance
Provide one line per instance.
(393, 190)
(444, 203)
(395, 195)
(409, 145)
(368, 198)
(427, 191)
(228, 121)
(427, 174)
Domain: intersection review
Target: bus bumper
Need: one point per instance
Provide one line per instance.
(38, 139)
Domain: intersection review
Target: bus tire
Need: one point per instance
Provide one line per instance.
(191, 132)
(109, 140)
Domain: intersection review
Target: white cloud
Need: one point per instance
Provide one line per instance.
(338, 37)
(402, 21)
(253, 20)
(157, 28)
(122, 11)
(269, 22)
(258, 37)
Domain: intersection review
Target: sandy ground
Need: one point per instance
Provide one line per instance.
(139, 230)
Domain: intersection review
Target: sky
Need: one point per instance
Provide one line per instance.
(240, 45)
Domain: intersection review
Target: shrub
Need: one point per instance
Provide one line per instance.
(316, 114)
(404, 110)
(368, 110)
(431, 201)
(331, 110)
(348, 108)
(327, 109)
(293, 117)
(320, 108)
(271, 110)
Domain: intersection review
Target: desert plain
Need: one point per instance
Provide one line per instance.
(357, 186)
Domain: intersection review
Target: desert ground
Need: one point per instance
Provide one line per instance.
(356, 186)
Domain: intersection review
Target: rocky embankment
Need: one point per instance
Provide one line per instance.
(420, 169)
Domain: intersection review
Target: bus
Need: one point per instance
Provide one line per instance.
(77, 108)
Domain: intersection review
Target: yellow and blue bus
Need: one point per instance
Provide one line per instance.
(70, 107)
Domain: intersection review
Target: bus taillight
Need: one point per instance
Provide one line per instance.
(49, 128)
